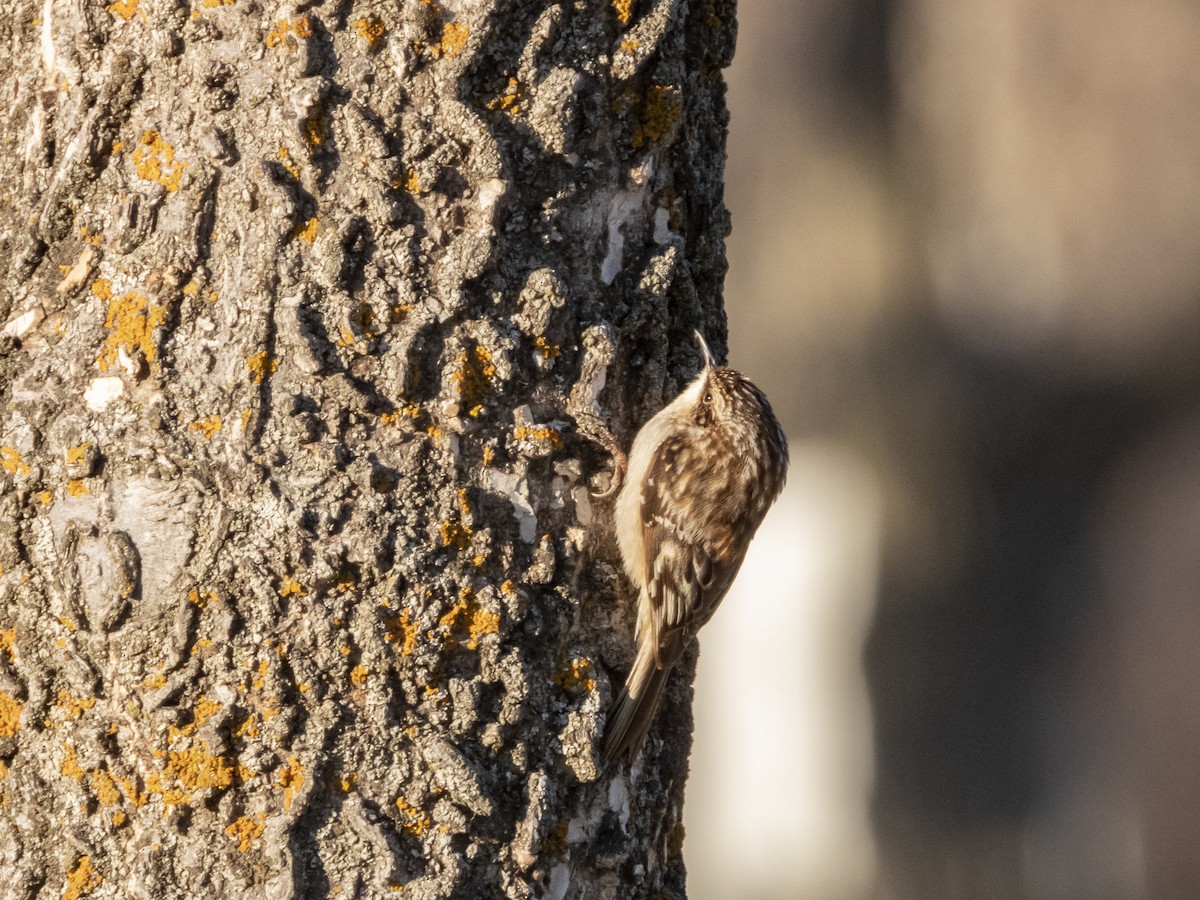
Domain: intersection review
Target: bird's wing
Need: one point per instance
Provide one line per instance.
(687, 573)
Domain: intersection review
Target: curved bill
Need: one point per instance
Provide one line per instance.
(709, 362)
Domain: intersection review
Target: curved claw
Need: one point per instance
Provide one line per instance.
(618, 477)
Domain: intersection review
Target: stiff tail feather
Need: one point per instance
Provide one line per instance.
(631, 715)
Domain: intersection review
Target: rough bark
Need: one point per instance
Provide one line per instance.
(312, 314)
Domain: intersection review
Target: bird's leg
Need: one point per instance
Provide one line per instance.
(592, 427)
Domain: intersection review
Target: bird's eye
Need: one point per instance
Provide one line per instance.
(708, 397)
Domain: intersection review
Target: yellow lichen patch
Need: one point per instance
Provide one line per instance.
(540, 433)
(399, 630)
(246, 830)
(67, 623)
(208, 426)
(11, 462)
(126, 9)
(74, 706)
(624, 10)
(195, 769)
(260, 678)
(418, 821)
(154, 160)
(131, 320)
(348, 782)
(246, 416)
(45, 497)
(661, 112)
(287, 31)
(454, 40)
(248, 729)
(315, 129)
(489, 454)
(8, 640)
(104, 786)
(478, 621)
(307, 231)
(261, 364)
(576, 674)
(78, 453)
(155, 681)
(509, 99)
(82, 879)
(76, 487)
(359, 674)
(473, 377)
(545, 348)
(482, 622)
(3, 770)
(291, 588)
(70, 765)
(630, 44)
(457, 532)
(213, 4)
(412, 183)
(201, 600)
(291, 779)
(370, 29)
(285, 160)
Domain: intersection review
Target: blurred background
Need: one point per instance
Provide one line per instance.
(963, 658)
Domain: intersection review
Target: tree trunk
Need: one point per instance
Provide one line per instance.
(313, 314)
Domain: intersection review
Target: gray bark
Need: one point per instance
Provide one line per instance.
(311, 314)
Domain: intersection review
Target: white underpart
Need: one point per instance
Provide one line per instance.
(629, 503)
(618, 799)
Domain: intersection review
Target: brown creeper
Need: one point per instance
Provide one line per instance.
(701, 475)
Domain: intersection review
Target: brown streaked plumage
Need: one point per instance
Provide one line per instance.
(701, 476)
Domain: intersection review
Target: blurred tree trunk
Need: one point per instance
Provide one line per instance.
(312, 313)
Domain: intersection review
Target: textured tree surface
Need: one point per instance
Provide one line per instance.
(312, 314)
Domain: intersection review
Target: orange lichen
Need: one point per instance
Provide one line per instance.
(576, 674)
(291, 779)
(154, 160)
(213, 4)
(126, 9)
(104, 786)
(246, 830)
(70, 765)
(82, 879)
(78, 453)
(624, 10)
(131, 320)
(539, 433)
(285, 160)
(248, 729)
(359, 674)
(456, 532)
(509, 98)
(545, 348)
(399, 630)
(261, 364)
(291, 588)
(307, 232)
(201, 600)
(11, 462)
(74, 706)
(287, 31)
(208, 426)
(76, 487)
(661, 111)
(478, 621)
(473, 376)
(370, 29)
(8, 639)
(418, 821)
(454, 39)
(155, 681)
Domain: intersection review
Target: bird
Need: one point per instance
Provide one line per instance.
(698, 480)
